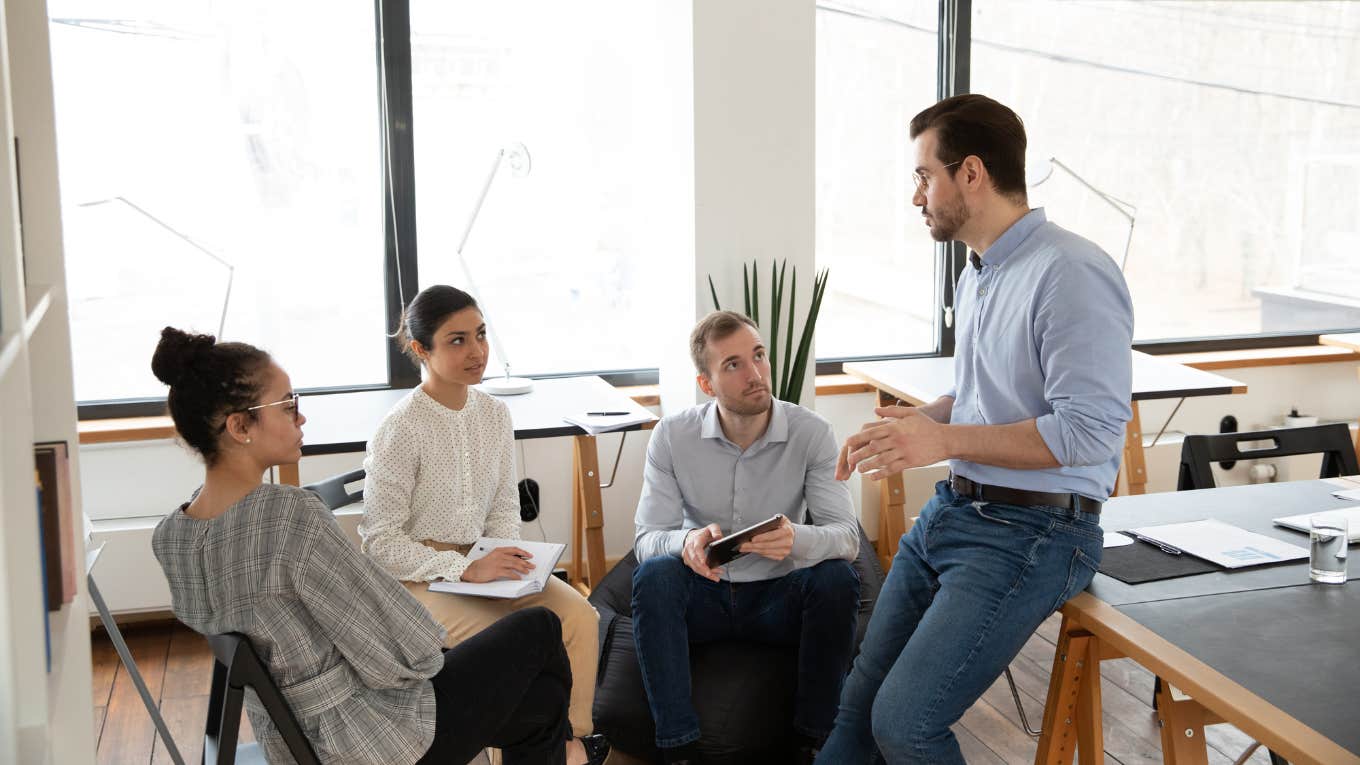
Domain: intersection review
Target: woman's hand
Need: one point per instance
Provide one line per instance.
(500, 563)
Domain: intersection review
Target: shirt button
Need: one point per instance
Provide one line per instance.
(982, 291)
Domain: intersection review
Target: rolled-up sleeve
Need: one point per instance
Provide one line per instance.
(659, 524)
(1084, 327)
(836, 534)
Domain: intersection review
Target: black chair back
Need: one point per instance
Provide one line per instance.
(332, 490)
(1333, 442)
(238, 667)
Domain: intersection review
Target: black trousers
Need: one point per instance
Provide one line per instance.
(507, 687)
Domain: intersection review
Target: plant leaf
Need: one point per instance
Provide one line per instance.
(714, 291)
(745, 289)
(755, 293)
(785, 379)
(777, 302)
(809, 330)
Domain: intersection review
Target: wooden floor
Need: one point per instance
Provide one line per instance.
(177, 667)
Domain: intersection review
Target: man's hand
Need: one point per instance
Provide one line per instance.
(694, 553)
(776, 544)
(904, 438)
(500, 563)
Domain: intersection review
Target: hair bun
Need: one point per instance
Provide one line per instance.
(177, 353)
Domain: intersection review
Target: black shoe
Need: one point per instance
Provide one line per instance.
(806, 755)
(686, 754)
(597, 748)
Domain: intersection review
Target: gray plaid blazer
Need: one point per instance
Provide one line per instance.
(348, 645)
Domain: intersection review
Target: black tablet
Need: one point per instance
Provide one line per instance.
(725, 550)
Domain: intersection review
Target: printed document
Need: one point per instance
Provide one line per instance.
(1221, 543)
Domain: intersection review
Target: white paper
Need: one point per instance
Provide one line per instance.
(596, 424)
(1116, 539)
(1221, 543)
(1352, 495)
(544, 560)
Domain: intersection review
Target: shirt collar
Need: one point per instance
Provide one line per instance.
(776, 432)
(1006, 244)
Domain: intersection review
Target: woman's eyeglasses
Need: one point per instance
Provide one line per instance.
(290, 405)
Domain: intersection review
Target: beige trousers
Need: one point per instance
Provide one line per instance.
(466, 615)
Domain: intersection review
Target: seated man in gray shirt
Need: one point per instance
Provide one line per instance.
(718, 468)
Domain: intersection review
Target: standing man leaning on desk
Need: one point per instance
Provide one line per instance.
(1032, 431)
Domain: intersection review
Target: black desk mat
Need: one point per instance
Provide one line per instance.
(1144, 562)
(1277, 644)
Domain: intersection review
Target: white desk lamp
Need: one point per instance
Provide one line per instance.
(1042, 170)
(516, 157)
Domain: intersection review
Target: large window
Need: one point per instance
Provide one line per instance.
(875, 70)
(209, 148)
(1229, 131)
(567, 250)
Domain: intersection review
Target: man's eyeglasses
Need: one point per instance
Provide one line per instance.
(290, 405)
(923, 181)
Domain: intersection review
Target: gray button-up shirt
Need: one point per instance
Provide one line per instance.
(694, 476)
(348, 645)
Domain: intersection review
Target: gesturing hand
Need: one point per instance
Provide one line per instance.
(500, 563)
(904, 438)
(775, 545)
(696, 556)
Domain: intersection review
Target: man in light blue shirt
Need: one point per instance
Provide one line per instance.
(718, 468)
(1033, 433)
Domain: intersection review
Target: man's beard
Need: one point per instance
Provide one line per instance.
(946, 221)
(745, 407)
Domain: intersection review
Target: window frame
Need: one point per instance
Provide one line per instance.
(393, 58)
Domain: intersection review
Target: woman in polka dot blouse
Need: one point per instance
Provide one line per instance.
(440, 473)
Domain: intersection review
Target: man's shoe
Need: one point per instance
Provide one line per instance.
(597, 748)
(806, 755)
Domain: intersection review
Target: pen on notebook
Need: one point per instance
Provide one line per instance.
(605, 414)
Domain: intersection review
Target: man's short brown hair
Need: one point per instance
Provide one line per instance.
(715, 326)
(976, 125)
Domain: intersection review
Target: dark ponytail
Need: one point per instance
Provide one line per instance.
(422, 317)
(208, 380)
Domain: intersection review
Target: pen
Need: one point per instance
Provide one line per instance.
(1166, 548)
(605, 414)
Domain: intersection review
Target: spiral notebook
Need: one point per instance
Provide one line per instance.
(545, 558)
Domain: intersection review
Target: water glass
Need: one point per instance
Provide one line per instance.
(1327, 548)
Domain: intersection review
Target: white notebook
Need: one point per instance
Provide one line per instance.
(1300, 522)
(603, 422)
(545, 558)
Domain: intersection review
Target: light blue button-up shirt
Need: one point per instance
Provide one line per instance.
(694, 476)
(1045, 331)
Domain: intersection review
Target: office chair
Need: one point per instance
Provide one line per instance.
(236, 668)
(332, 490)
(1333, 442)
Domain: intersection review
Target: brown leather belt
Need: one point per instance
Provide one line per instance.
(973, 490)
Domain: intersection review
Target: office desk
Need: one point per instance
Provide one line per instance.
(1350, 341)
(343, 422)
(1261, 648)
(920, 381)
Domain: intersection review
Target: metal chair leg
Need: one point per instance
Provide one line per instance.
(131, 666)
(1015, 694)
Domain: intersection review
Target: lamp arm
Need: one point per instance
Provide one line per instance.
(1125, 209)
(1118, 204)
(496, 347)
(231, 269)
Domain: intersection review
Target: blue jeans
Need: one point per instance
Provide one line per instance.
(812, 608)
(971, 582)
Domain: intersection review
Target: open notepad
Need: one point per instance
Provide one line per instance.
(545, 558)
